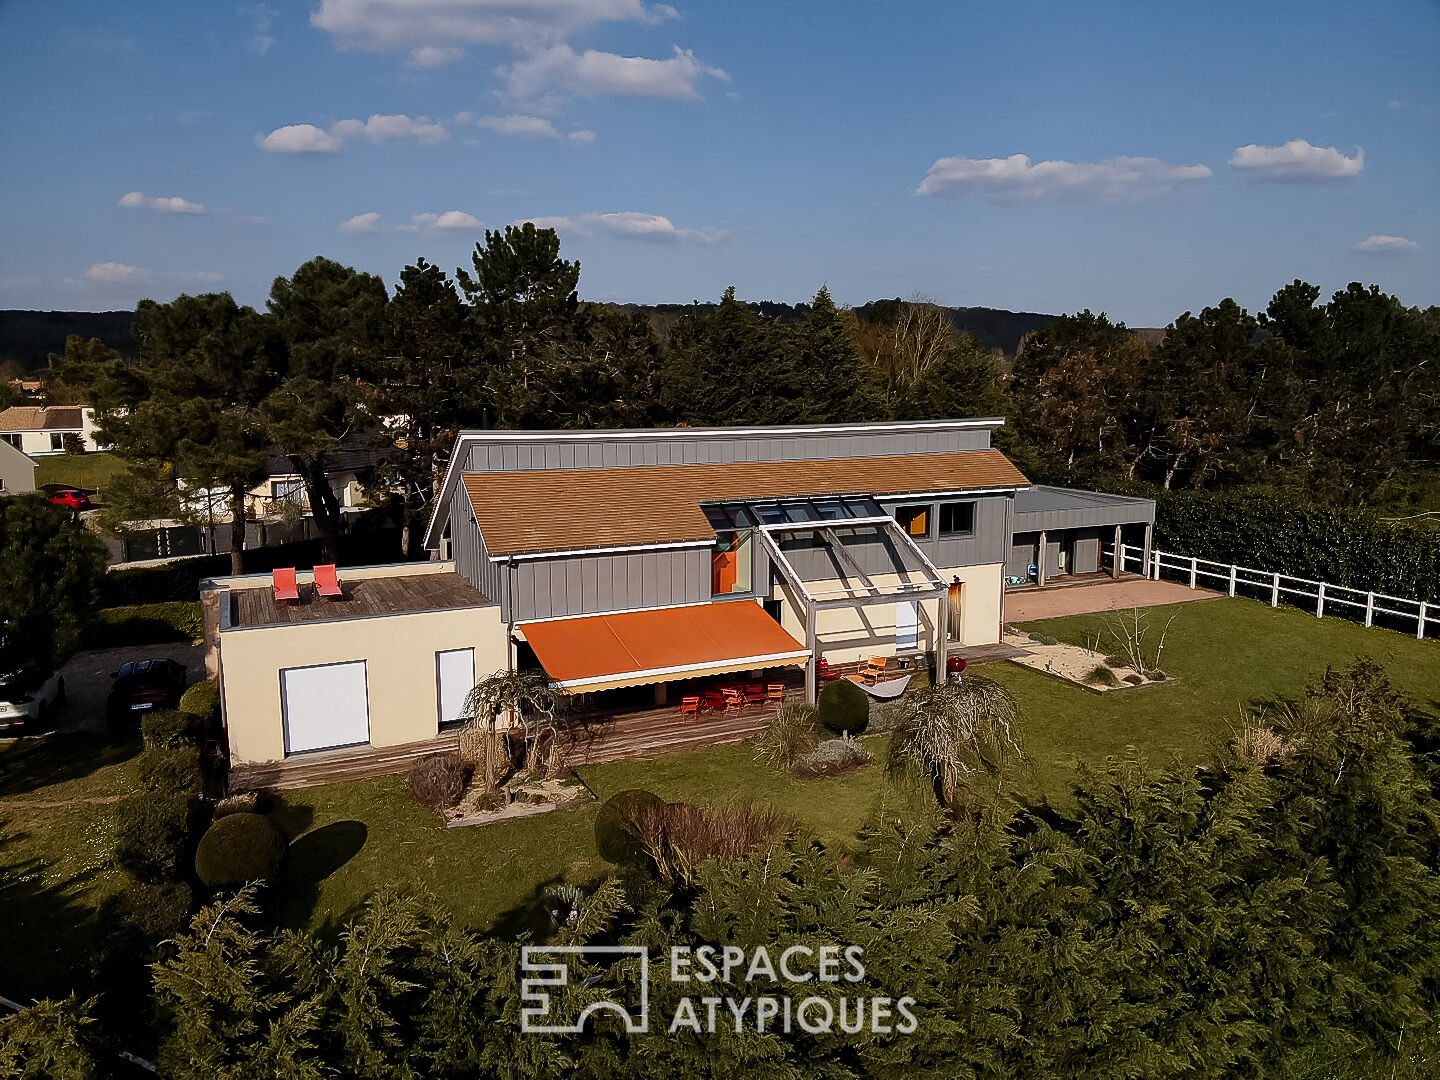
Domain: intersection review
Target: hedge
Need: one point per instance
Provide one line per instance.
(146, 624)
(1352, 548)
(202, 700)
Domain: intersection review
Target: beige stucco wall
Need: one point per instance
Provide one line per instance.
(399, 654)
(16, 470)
(849, 634)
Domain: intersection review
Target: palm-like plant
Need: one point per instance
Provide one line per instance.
(954, 733)
(525, 697)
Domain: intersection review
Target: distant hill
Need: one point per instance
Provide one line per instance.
(29, 337)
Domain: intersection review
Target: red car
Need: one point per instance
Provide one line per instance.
(72, 498)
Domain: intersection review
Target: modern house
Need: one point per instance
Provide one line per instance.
(17, 470)
(628, 564)
(40, 430)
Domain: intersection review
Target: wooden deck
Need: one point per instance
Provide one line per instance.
(335, 766)
(364, 597)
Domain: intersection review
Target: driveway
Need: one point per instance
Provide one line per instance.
(87, 679)
(1054, 601)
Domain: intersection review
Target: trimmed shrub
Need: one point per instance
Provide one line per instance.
(834, 757)
(1156, 675)
(146, 624)
(1044, 639)
(239, 848)
(202, 700)
(616, 838)
(174, 769)
(438, 781)
(152, 834)
(788, 734)
(1115, 660)
(844, 707)
(167, 729)
(1100, 675)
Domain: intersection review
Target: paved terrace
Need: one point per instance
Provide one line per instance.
(1106, 594)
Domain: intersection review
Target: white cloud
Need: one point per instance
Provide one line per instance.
(594, 73)
(298, 139)
(262, 18)
(434, 56)
(450, 219)
(381, 127)
(520, 125)
(1015, 179)
(440, 28)
(583, 135)
(630, 224)
(361, 223)
(1297, 160)
(1381, 244)
(168, 204)
(110, 272)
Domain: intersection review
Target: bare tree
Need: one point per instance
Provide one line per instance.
(1130, 632)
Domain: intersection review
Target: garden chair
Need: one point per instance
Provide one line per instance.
(713, 699)
(827, 673)
(734, 697)
(283, 579)
(873, 669)
(755, 693)
(690, 706)
(327, 584)
(775, 694)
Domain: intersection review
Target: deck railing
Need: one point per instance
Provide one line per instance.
(1321, 597)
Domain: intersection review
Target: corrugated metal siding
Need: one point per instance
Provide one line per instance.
(1022, 554)
(592, 584)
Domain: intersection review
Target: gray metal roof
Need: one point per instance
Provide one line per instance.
(1044, 507)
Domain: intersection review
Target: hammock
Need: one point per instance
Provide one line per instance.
(884, 691)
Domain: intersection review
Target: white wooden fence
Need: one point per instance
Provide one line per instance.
(1320, 596)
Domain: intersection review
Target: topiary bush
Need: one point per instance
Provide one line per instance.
(616, 838)
(843, 707)
(239, 848)
(438, 781)
(202, 700)
(834, 757)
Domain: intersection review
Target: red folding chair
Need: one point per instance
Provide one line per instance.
(326, 583)
(286, 590)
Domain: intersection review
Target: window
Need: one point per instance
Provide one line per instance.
(57, 441)
(12, 439)
(957, 519)
(915, 520)
(731, 565)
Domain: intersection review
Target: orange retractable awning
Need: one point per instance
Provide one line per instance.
(632, 648)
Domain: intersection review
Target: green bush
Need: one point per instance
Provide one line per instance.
(438, 781)
(1100, 675)
(153, 833)
(174, 769)
(844, 707)
(202, 700)
(239, 848)
(146, 624)
(615, 837)
(168, 729)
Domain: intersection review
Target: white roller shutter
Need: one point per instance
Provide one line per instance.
(325, 706)
(454, 678)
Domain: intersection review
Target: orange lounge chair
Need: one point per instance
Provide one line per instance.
(285, 587)
(775, 694)
(326, 583)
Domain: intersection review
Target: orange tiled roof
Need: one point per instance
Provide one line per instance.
(31, 418)
(560, 509)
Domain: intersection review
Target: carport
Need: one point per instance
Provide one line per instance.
(1060, 532)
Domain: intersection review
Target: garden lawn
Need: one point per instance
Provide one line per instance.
(489, 874)
(57, 832)
(1228, 656)
(90, 471)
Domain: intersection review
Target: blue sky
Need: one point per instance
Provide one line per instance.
(1172, 155)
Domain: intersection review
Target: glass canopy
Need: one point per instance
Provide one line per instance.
(746, 515)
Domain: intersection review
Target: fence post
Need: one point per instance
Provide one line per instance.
(1194, 564)
(1320, 601)
(1232, 579)
(1275, 591)
(1155, 566)
(1369, 610)
(1420, 625)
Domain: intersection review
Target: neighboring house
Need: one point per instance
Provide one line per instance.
(283, 488)
(17, 471)
(40, 430)
(625, 562)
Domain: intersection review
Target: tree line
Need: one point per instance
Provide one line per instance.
(1341, 399)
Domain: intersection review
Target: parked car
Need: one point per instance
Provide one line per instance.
(145, 684)
(24, 710)
(71, 497)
